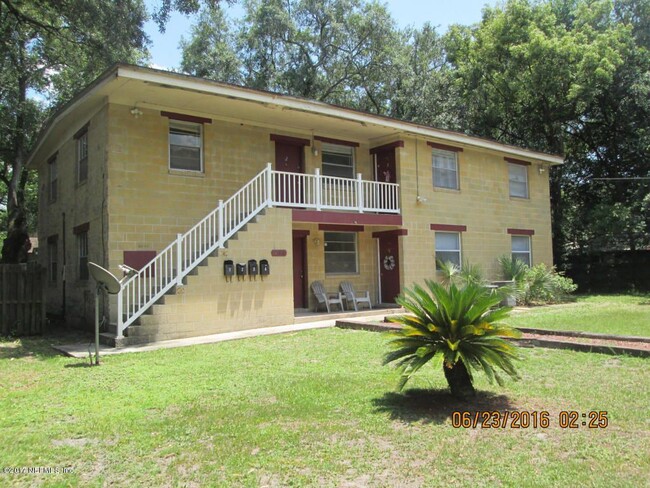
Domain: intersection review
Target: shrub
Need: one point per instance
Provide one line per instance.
(460, 326)
(460, 275)
(537, 285)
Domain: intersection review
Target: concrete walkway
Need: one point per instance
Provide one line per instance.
(82, 349)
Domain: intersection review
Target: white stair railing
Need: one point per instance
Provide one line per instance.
(267, 189)
(171, 265)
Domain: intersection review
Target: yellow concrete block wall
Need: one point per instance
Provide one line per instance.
(364, 279)
(149, 204)
(80, 203)
(210, 303)
(482, 203)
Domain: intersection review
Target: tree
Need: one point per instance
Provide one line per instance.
(564, 76)
(423, 83)
(49, 51)
(210, 52)
(336, 51)
(458, 325)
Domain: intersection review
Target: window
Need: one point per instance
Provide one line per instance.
(521, 249)
(185, 146)
(82, 246)
(447, 247)
(53, 177)
(82, 156)
(518, 175)
(340, 252)
(52, 258)
(338, 160)
(445, 169)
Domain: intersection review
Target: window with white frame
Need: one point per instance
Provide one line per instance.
(341, 253)
(53, 178)
(82, 156)
(82, 247)
(447, 248)
(338, 160)
(445, 169)
(52, 259)
(185, 146)
(521, 249)
(518, 176)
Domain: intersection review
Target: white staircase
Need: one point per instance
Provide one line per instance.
(269, 188)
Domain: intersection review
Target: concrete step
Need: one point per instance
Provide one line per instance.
(110, 339)
(152, 325)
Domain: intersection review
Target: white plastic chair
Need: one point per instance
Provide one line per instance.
(323, 297)
(356, 298)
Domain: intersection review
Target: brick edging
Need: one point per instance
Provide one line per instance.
(549, 344)
(585, 335)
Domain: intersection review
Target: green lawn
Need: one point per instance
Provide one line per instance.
(607, 314)
(314, 408)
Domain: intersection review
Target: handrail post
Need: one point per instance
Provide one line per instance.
(179, 259)
(269, 185)
(317, 189)
(359, 192)
(220, 224)
(120, 312)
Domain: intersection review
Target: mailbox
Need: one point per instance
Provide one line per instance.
(265, 269)
(228, 268)
(241, 269)
(252, 267)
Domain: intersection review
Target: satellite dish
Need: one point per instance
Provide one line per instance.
(105, 278)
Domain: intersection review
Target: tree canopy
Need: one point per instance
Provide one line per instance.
(561, 76)
(49, 51)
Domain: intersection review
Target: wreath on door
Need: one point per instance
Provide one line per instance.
(389, 263)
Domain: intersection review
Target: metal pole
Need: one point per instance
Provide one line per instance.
(97, 326)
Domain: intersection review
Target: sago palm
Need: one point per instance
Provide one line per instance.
(461, 327)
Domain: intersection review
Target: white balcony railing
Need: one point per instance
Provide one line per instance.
(333, 193)
(267, 189)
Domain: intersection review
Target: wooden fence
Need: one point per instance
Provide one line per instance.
(22, 299)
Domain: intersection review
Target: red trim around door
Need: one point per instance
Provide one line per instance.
(296, 141)
(387, 233)
(390, 145)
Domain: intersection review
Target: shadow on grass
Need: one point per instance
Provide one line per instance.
(40, 346)
(80, 365)
(436, 406)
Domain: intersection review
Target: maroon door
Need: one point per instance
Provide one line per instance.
(389, 268)
(289, 159)
(299, 270)
(385, 166)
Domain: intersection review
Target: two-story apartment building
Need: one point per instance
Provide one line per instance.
(185, 178)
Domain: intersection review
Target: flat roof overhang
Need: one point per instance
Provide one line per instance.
(160, 90)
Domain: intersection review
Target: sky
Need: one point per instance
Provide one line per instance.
(441, 13)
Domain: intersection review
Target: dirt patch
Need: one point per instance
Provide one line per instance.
(80, 442)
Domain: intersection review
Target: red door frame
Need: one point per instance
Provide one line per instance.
(385, 162)
(300, 280)
(389, 279)
(289, 158)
